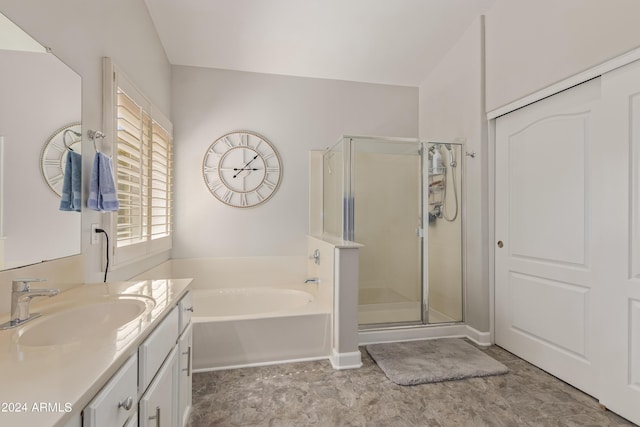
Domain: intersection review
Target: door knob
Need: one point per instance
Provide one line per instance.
(500, 244)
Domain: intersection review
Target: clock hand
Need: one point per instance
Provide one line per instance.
(245, 166)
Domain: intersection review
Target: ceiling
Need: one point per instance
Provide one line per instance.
(376, 41)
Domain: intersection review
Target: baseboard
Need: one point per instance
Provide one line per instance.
(340, 361)
(423, 333)
(482, 339)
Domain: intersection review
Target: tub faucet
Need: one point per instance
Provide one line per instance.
(312, 280)
(315, 257)
(21, 296)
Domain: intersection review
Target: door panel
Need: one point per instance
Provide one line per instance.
(620, 189)
(545, 282)
(557, 301)
(634, 347)
(547, 185)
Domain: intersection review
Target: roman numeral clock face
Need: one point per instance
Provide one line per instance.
(242, 169)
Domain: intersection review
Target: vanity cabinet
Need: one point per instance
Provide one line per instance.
(155, 381)
(158, 406)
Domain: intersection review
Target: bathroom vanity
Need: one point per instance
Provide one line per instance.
(101, 355)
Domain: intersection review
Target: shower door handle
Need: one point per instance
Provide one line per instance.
(500, 244)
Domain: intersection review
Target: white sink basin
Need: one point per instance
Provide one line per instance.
(86, 321)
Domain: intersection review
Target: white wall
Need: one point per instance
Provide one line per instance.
(451, 108)
(533, 44)
(296, 115)
(80, 33)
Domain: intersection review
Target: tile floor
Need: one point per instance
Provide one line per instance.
(313, 394)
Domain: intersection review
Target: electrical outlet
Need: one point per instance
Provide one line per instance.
(95, 237)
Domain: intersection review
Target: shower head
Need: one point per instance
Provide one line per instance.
(452, 155)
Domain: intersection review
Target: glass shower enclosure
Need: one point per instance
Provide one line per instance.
(400, 199)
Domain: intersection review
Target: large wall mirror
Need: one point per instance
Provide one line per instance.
(39, 96)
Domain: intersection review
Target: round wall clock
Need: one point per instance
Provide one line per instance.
(53, 157)
(242, 169)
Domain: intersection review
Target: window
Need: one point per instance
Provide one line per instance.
(142, 157)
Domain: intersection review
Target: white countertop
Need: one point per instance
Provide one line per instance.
(66, 377)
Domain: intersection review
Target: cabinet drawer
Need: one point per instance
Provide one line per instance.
(155, 348)
(186, 309)
(117, 400)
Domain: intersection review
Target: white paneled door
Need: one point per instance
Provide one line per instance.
(545, 280)
(620, 186)
(567, 272)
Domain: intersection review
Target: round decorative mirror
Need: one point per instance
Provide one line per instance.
(54, 154)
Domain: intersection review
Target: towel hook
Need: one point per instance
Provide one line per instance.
(93, 134)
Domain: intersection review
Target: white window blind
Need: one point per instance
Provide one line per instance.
(143, 159)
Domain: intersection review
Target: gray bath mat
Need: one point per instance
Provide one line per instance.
(430, 361)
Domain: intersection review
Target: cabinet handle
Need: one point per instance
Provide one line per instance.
(156, 416)
(126, 404)
(189, 309)
(188, 368)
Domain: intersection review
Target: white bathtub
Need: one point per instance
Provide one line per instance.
(234, 327)
(246, 303)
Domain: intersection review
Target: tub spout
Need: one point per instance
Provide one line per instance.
(312, 280)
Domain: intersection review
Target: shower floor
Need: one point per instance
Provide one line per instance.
(383, 305)
(437, 317)
(368, 296)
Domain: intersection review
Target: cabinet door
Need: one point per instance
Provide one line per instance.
(133, 421)
(158, 404)
(184, 392)
(153, 350)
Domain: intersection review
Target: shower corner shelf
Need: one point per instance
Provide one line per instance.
(437, 171)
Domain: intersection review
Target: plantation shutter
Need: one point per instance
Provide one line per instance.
(133, 160)
(141, 143)
(161, 185)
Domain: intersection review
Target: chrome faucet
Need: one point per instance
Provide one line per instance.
(315, 257)
(21, 296)
(312, 280)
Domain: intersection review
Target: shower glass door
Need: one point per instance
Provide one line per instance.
(385, 202)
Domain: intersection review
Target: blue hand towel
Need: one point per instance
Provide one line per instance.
(72, 183)
(102, 189)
